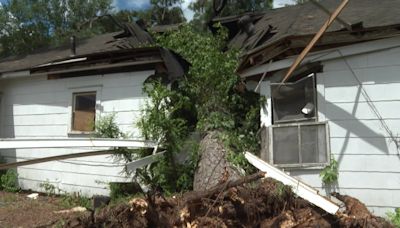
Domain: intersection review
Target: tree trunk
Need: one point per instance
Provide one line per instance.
(213, 167)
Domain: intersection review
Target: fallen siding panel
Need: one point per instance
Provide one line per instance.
(299, 188)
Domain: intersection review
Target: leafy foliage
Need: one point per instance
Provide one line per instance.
(9, 181)
(207, 99)
(26, 25)
(165, 12)
(74, 200)
(162, 122)
(49, 188)
(330, 173)
(107, 127)
(204, 10)
(214, 88)
(394, 217)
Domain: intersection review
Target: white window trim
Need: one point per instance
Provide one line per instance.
(84, 89)
(300, 165)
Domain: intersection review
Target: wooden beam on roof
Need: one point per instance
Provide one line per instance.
(270, 53)
(315, 39)
(104, 66)
(73, 143)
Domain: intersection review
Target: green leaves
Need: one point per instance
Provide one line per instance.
(206, 99)
(211, 79)
(106, 127)
(9, 181)
(394, 217)
(330, 173)
(204, 12)
(26, 25)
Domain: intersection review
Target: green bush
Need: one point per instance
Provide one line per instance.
(330, 173)
(9, 181)
(394, 217)
(50, 189)
(122, 190)
(74, 200)
(106, 127)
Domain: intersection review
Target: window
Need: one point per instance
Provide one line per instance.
(84, 111)
(300, 144)
(296, 138)
(294, 101)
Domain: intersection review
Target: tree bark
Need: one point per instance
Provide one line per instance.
(213, 167)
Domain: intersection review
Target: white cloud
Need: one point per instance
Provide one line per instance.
(282, 3)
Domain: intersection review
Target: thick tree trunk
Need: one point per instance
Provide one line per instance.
(213, 167)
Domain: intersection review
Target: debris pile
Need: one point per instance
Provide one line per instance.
(248, 202)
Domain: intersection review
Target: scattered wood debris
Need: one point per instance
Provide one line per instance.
(247, 202)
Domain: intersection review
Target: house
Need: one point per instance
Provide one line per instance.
(59, 93)
(343, 101)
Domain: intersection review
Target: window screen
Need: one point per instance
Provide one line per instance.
(84, 111)
(300, 144)
(294, 101)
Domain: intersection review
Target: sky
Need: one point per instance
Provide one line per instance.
(142, 4)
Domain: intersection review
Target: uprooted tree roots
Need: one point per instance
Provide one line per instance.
(245, 203)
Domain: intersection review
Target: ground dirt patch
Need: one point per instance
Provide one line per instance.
(17, 210)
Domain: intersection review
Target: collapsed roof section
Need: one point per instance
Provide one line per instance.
(278, 33)
(130, 50)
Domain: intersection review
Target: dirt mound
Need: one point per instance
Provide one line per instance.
(262, 203)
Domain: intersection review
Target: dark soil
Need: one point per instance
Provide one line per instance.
(264, 203)
(17, 210)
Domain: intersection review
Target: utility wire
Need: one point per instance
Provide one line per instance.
(371, 104)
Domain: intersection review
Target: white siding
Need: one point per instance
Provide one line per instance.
(37, 107)
(369, 161)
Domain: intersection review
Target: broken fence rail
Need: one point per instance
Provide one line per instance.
(299, 188)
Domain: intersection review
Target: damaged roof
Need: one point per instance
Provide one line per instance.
(97, 44)
(273, 26)
(99, 52)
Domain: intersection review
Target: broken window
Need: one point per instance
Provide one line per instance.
(297, 138)
(300, 144)
(84, 111)
(295, 101)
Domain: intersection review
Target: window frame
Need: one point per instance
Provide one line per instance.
(317, 165)
(311, 119)
(71, 106)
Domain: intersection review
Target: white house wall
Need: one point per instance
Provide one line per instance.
(37, 107)
(369, 161)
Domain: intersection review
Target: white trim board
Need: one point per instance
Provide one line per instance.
(73, 143)
(299, 188)
(132, 166)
